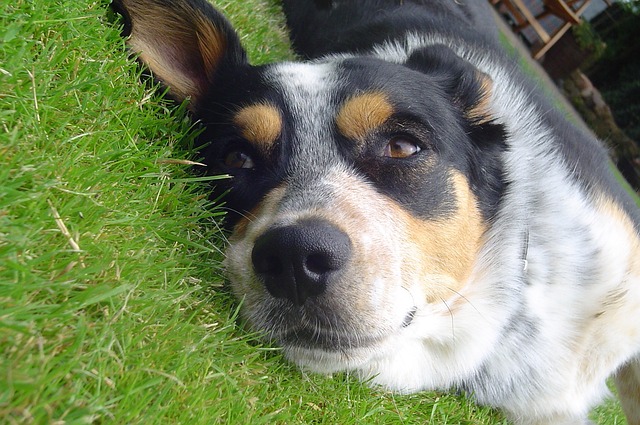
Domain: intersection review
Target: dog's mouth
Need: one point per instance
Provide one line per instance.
(331, 339)
(315, 339)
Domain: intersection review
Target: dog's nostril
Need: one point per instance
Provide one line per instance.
(318, 263)
(297, 262)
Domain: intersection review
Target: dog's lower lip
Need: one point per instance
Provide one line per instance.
(326, 341)
(304, 337)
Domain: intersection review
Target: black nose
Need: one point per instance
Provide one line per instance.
(298, 261)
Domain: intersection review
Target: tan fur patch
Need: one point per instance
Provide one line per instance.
(447, 248)
(610, 337)
(480, 113)
(267, 208)
(212, 44)
(362, 114)
(610, 208)
(260, 124)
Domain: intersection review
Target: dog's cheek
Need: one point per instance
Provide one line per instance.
(440, 254)
(404, 261)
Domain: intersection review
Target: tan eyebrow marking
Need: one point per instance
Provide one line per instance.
(481, 111)
(362, 114)
(260, 124)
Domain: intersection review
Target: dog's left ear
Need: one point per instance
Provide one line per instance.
(468, 87)
(185, 44)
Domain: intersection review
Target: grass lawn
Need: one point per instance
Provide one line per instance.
(112, 304)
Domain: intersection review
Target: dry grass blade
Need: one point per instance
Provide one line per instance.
(64, 230)
(179, 162)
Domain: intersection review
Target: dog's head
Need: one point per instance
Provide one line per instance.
(360, 189)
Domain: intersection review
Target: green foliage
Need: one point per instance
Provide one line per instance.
(632, 6)
(589, 40)
(617, 73)
(623, 99)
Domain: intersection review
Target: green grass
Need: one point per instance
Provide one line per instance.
(112, 304)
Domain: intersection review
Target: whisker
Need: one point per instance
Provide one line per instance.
(466, 299)
(453, 328)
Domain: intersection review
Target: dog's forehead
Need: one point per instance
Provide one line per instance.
(308, 91)
(318, 90)
(319, 97)
(354, 95)
(307, 104)
(299, 81)
(321, 86)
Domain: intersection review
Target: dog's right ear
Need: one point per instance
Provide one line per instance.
(184, 43)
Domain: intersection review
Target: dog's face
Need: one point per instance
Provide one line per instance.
(360, 189)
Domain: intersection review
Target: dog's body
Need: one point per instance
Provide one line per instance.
(407, 208)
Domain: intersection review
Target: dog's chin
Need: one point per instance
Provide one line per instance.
(334, 347)
(324, 361)
(326, 352)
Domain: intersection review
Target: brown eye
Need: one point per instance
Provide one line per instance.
(400, 147)
(238, 159)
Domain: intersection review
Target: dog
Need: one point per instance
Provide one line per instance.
(405, 206)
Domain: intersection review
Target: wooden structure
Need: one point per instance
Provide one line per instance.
(567, 11)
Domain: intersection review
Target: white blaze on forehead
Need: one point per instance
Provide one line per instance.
(308, 90)
(304, 74)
